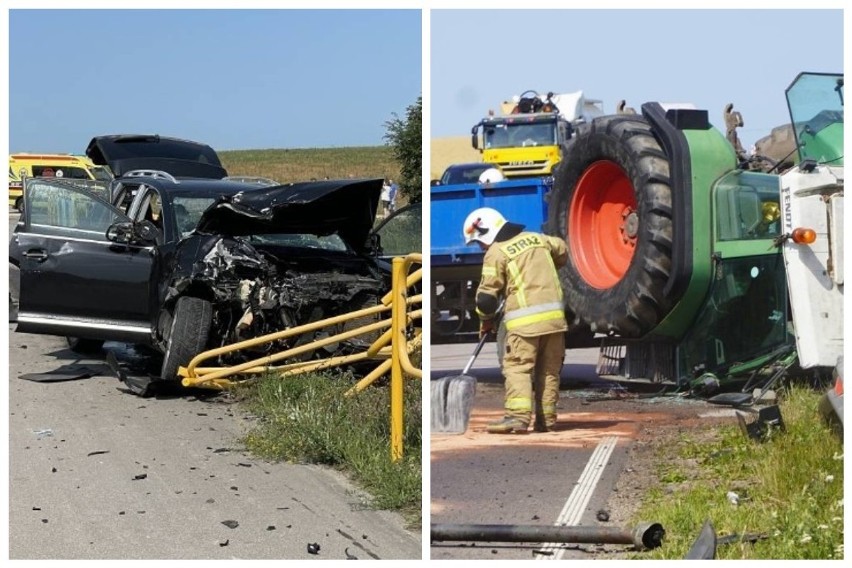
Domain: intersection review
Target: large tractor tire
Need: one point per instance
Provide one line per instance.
(188, 334)
(612, 201)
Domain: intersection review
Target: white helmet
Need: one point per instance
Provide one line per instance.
(482, 225)
(491, 175)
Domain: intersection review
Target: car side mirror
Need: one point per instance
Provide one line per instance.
(120, 232)
(474, 141)
(434, 182)
(125, 233)
(374, 244)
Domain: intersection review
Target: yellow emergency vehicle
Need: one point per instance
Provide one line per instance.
(50, 165)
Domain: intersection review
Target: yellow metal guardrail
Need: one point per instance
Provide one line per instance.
(392, 348)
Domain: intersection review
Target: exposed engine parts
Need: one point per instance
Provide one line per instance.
(255, 293)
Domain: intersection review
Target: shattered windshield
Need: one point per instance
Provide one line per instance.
(302, 240)
(188, 211)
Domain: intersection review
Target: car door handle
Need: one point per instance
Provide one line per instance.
(36, 254)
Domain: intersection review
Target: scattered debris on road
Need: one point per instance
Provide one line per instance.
(63, 373)
(43, 433)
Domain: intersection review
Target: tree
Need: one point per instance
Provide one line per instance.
(405, 138)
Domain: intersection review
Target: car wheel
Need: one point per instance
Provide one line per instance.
(188, 334)
(84, 346)
(611, 201)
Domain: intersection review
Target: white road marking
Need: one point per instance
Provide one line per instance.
(580, 496)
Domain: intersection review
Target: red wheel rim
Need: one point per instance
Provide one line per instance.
(603, 224)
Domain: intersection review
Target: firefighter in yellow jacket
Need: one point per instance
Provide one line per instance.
(521, 267)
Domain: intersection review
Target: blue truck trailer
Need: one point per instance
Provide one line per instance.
(455, 266)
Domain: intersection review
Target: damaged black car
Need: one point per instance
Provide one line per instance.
(185, 264)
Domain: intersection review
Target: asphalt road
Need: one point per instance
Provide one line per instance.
(98, 473)
(560, 477)
(590, 472)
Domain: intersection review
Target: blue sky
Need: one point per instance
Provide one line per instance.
(707, 57)
(235, 79)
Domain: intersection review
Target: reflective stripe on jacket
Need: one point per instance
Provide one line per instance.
(523, 269)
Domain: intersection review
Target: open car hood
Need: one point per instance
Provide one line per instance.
(181, 158)
(346, 207)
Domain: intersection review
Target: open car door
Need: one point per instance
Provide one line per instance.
(75, 281)
(401, 233)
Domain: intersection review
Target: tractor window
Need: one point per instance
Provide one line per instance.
(745, 315)
(747, 207)
(816, 107)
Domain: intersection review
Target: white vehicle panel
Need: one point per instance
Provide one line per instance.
(811, 200)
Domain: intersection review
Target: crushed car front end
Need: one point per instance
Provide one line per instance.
(272, 259)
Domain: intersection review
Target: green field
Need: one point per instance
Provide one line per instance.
(305, 164)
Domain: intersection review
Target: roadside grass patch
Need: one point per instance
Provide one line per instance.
(788, 489)
(307, 419)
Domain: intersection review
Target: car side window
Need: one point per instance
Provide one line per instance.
(152, 209)
(56, 209)
(401, 234)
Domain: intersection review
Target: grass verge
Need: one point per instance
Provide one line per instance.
(789, 489)
(307, 419)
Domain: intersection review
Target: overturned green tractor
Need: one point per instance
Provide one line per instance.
(676, 243)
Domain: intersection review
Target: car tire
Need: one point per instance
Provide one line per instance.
(188, 333)
(612, 202)
(84, 346)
